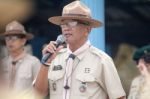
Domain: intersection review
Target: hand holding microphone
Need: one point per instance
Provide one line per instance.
(52, 48)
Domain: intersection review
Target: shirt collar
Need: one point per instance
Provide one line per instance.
(19, 57)
(82, 54)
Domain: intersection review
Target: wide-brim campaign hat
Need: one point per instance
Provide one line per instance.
(16, 28)
(76, 11)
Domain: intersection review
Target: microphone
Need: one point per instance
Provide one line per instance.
(59, 41)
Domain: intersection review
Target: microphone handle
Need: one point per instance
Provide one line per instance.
(46, 57)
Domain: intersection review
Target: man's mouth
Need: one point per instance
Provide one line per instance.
(68, 35)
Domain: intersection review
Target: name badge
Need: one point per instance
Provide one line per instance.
(57, 67)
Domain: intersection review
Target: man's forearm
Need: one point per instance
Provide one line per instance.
(41, 83)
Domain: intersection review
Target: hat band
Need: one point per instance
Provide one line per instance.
(18, 31)
(77, 15)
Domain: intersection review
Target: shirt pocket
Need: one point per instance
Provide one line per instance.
(86, 85)
(56, 81)
(25, 78)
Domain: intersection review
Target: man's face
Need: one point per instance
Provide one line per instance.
(75, 31)
(14, 42)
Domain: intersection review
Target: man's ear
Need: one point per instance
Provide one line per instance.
(24, 40)
(89, 28)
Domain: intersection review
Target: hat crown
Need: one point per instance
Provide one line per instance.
(16, 28)
(15, 25)
(77, 8)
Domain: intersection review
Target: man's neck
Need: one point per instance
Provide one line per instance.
(74, 47)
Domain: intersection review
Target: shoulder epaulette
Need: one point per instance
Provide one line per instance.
(98, 52)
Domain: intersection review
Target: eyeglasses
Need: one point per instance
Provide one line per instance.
(12, 38)
(74, 23)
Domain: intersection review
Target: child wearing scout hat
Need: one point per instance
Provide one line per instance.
(21, 67)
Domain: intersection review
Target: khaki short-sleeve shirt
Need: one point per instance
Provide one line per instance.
(139, 89)
(94, 76)
(26, 70)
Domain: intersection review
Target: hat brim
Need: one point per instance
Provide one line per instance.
(28, 36)
(58, 20)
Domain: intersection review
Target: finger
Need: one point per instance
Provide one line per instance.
(53, 45)
(47, 49)
(59, 48)
(50, 47)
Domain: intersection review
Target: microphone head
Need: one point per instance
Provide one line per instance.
(60, 39)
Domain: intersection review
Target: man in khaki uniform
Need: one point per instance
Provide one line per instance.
(79, 71)
(140, 88)
(20, 68)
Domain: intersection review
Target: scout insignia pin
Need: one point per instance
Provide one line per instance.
(54, 86)
(82, 87)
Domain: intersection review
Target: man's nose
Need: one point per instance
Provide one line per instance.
(66, 28)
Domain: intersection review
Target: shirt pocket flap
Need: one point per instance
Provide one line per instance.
(56, 75)
(25, 75)
(85, 78)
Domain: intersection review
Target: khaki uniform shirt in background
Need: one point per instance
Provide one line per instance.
(26, 70)
(26, 94)
(94, 76)
(139, 89)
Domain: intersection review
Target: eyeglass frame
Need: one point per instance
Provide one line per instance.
(13, 37)
(74, 23)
